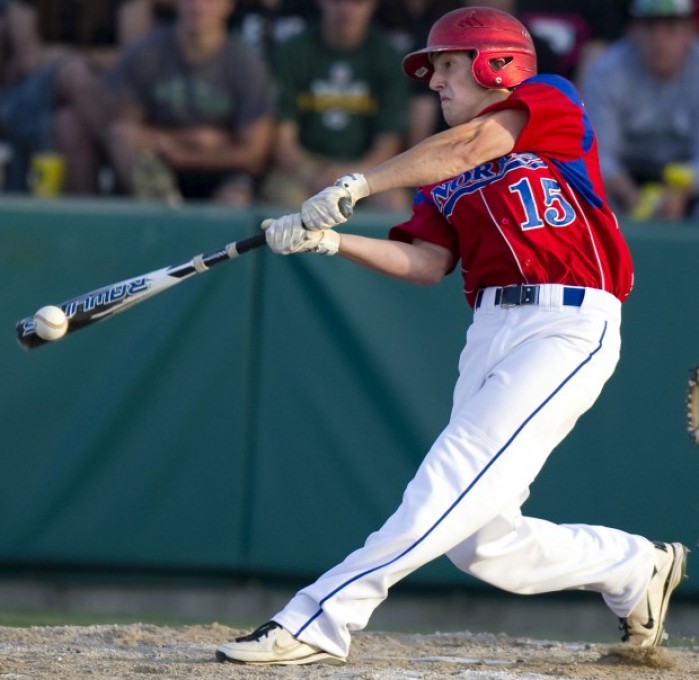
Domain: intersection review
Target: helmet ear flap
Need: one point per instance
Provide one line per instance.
(496, 71)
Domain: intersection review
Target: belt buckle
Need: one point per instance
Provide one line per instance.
(524, 295)
(511, 303)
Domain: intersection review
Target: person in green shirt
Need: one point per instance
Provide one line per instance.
(341, 104)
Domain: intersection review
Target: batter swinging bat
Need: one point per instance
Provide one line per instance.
(97, 305)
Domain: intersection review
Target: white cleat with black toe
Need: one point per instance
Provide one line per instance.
(645, 625)
(270, 645)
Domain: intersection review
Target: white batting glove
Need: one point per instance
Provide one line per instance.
(324, 211)
(286, 235)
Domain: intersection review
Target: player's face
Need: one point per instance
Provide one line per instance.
(462, 98)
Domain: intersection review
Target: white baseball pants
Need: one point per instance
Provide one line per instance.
(526, 375)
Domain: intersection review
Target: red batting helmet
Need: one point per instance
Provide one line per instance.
(490, 34)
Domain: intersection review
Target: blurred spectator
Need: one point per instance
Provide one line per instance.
(51, 98)
(97, 29)
(407, 23)
(642, 95)
(5, 150)
(195, 110)
(575, 30)
(262, 24)
(148, 14)
(341, 106)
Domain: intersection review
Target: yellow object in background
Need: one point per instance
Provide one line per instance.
(46, 174)
(678, 176)
(651, 195)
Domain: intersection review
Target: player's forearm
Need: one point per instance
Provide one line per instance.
(423, 265)
(449, 153)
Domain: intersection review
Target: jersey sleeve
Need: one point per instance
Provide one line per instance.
(427, 224)
(557, 125)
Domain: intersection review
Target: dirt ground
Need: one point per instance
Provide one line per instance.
(139, 651)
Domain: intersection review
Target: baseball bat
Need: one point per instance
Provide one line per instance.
(103, 303)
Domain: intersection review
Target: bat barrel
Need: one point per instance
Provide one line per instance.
(26, 335)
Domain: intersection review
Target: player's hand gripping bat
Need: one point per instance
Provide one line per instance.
(102, 303)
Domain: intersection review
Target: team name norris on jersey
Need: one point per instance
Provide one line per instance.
(446, 194)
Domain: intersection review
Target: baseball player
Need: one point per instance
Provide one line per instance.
(512, 190)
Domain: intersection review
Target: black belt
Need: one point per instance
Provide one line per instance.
(514, 296)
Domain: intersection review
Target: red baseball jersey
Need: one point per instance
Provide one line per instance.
(536, 215)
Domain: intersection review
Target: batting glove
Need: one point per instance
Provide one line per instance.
(286, 235)
(323, 211)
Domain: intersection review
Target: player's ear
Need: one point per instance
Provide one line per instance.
(499, 63)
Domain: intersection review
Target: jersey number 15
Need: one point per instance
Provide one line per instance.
(556, 211)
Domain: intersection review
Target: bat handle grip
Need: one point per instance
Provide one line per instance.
(258, 240)
(249, 243)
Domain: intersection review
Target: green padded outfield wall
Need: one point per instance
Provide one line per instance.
(265, 417)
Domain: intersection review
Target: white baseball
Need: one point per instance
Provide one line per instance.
(50, 323)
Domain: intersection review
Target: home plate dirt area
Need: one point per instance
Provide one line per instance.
(139, 651)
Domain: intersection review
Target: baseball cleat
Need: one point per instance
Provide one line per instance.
(644, 626)
(270, 645)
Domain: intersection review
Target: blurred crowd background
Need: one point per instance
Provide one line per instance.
(238, 101)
